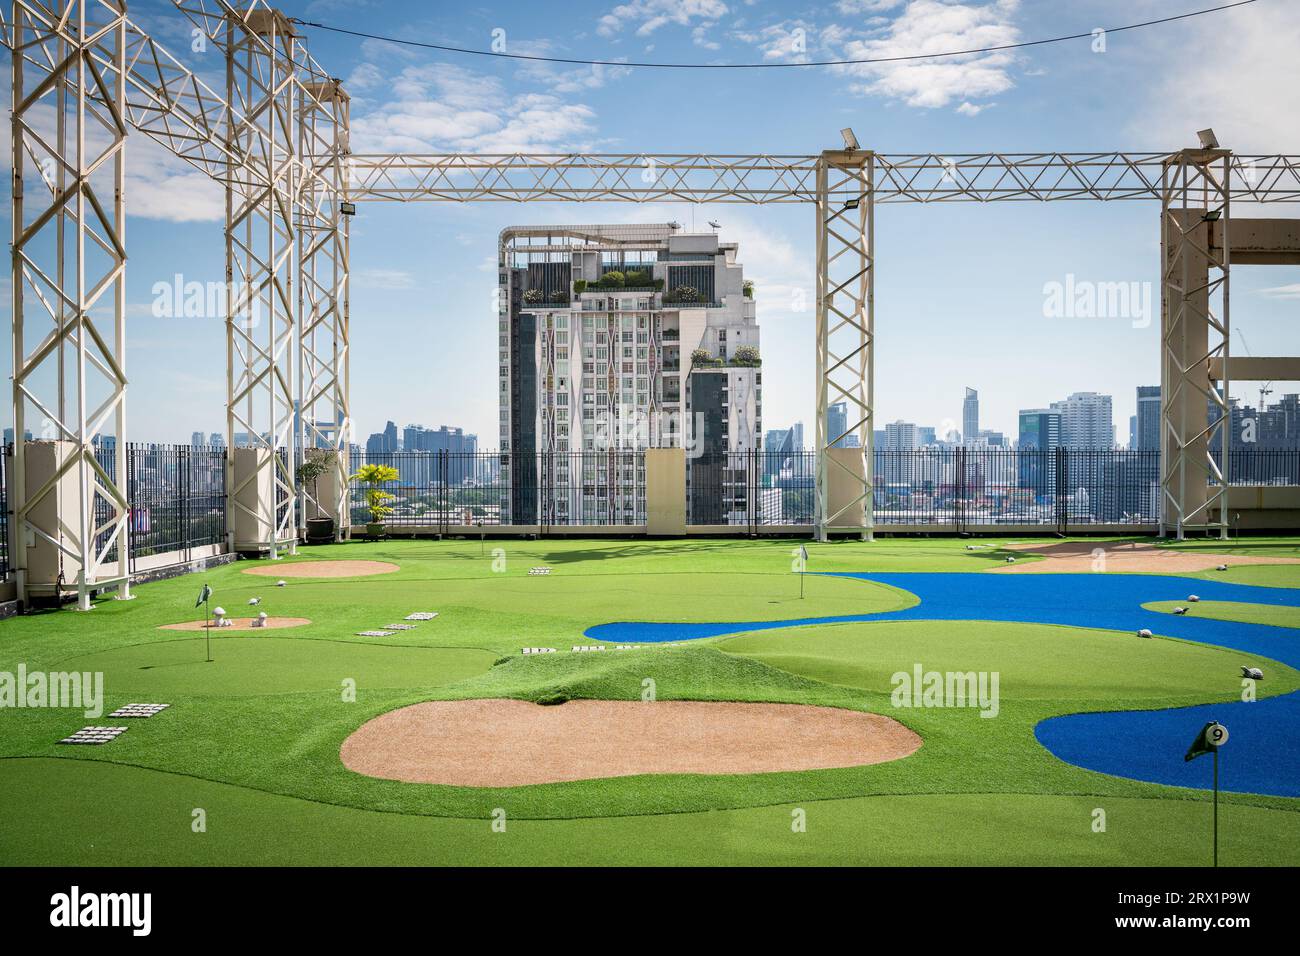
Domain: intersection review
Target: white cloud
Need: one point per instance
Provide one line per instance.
(159, 185)
(929, 26)
(650, 15)
(1291, 291)
(443, 107)
(383, 279)
(700, 37)
(1237, 72)
(853, 7)
(920, 27)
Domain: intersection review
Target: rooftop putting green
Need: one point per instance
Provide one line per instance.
(256, 733)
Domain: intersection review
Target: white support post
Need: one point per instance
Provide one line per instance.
(261, 264)
(1195, 418)
(845, 341)
(325, 419)
(68, 268)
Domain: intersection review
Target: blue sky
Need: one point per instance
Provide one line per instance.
(960, 288)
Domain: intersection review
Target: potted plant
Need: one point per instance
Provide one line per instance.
(320, 529)
(375, 477)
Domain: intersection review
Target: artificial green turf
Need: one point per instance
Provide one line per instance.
(1260, 575)
(1275, 615)
(102, 814)
(1035, 662)
(269, 714)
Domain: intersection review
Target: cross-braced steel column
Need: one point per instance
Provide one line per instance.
(845, 340)
(1195, 424)
(325, 419)
(261, 262)
(69, 261)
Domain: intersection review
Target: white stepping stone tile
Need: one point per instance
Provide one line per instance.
(94, 735)
(139, 710)
(422, 616)
(539, 650)
(375, 633)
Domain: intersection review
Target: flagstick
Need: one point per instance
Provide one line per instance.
(1216, 806)
(207, 629)
(800, 585)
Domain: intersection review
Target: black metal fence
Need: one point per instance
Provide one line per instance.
(952, 488)
(4, 512)
(751, 488)
(177, 497)
(439, 489)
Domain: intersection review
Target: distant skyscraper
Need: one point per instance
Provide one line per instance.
(1148, 418)
(217, 439)
(1086, 421)
(381, 442)
(970, 416)
(837, 421)
(900, 436)
(796, 436)
(1132, 432)
(1040, 434)
(196, 439)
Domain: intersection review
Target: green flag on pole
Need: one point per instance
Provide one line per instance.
(203, 595)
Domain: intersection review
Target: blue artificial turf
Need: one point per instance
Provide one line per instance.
(1263, 750)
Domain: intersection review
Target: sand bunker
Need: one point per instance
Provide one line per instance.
(239, 624)
(1131, 557)
(323, 569)
(509, 743)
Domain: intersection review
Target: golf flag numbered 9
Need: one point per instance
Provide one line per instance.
(203, 595)
(1212, 736)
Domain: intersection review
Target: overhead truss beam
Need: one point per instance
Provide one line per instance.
(762, 179)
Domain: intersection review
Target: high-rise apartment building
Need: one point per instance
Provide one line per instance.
(1147, 430)
(837, 422)
(1040, 434)
(616, 338)
(381, 442)
(970, 417)
(1086, 421)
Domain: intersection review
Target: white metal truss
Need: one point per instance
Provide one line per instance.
(261, 265)
(1195, 416)
(69, 299)
(770, 178)
(325, 418)
(845, 340)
